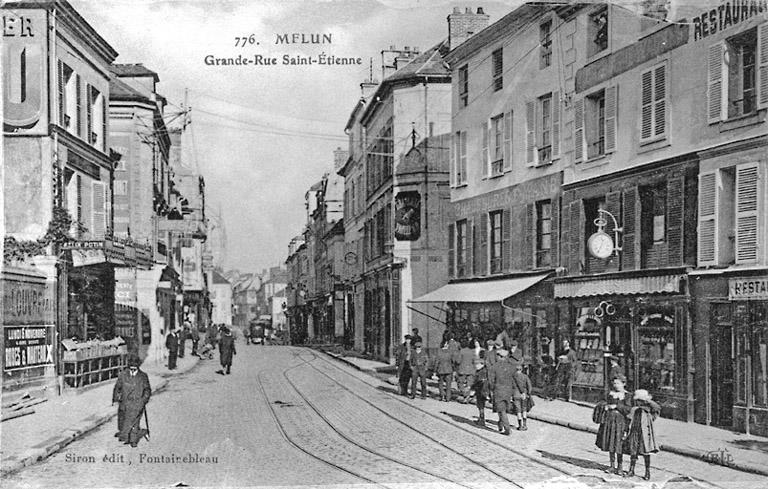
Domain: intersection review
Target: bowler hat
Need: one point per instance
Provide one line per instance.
(134, 361)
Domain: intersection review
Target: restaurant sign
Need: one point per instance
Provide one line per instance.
(748, 288)
(725, 15)
(28, 346)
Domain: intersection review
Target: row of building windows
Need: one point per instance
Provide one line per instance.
(72, 96)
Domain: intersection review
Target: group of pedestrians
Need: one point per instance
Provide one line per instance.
(176, 342)
(626, 427)
(491, 373)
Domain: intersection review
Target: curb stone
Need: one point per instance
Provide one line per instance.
(683, 451)
(58, 443)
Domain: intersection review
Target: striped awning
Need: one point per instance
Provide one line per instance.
(661, 284)
(485, 291)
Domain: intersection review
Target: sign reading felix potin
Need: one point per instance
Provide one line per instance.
(28, 346)
(748, 288)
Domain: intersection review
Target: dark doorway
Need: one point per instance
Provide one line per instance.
(721, 364)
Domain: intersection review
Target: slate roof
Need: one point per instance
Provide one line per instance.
(133, 69)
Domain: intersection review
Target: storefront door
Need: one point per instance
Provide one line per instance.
(721, 364)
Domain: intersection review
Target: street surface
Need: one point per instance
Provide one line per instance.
(291, 417)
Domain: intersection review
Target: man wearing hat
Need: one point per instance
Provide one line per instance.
(226, 349)
(132, 392)
(419, 363)
(404, 364)
(172, 343)
(515, 354)
(501, 383)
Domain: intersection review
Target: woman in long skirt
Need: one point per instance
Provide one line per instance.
(611, 431)
(641, 439)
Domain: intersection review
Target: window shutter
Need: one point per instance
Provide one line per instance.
(674, 231)
(88, 113)
(469, 265)
(506, 235)
(577, 238)
(578, 130)
(62, 101)
(629, 224)
(529, 235)
(611, 108)
(660, 100)
(555, 125)
(555, 249)
(707, 231)
(508, 141)
(451, 251)
(565, 233)
(454, 160)
(484, 161)
(747, 212)
(715, 85)
(530, 133)
(762, 72)
(104, 120)
(646, 111)
(98, 210)
(79, 98)
(482, 256)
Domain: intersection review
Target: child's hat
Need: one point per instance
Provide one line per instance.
(642, 395)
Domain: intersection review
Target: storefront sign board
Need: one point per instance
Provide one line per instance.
(753, 288)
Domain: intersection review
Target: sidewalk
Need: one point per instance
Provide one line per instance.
(748, 454)
(63, 419)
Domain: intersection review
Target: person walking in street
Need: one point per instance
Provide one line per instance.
(501, 383)
(480, 384)
(442, 366)
(195, 334)
(404, 365)
(611, 431)
(183, 338)
(172, 344)
(419, 364)
(521, 396)
(641, 438)
(247, 334)
(415, 337)
(131, 392)
(465, 371)
(567, 365)
(515, 354)
(226, 349)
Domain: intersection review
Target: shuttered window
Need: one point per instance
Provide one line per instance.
(762, 70)
(715, 86)
(530, 133)
(508, 141)
(498, 69)
(578, 130)
(747, 212)
(653, 114)
(98, 210)
(707, 231)
(484, 158)
(89, 96)
(461, 248)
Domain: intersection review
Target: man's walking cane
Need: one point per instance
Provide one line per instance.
(146, 421)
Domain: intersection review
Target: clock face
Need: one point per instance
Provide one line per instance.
(600, 245)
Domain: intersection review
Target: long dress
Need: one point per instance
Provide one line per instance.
(641, 439)
(611, 431)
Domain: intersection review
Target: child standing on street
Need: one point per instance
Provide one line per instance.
(611, 432)
(641, 439)
(521, 397)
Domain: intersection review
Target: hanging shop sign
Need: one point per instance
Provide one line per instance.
(725, 15)
(748, 288)
(28, 346)
(407, 216)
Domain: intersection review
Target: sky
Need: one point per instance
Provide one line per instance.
(262, 135)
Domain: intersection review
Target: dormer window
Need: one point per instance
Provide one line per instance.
(598, 32)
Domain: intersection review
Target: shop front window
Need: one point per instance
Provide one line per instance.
(588, 345)
(656, 355)
(752, 353)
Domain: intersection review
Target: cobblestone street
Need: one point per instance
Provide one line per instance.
(294, 417)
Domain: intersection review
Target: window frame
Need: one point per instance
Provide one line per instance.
(463, 85)
(542, 251)
(544, 129)
(651, 106)
(496, 145)
(545, 44)
(462, 248)
(497, 69)
(593, 47)
(496, 240)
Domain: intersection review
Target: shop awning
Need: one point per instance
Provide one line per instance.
(486, 291)
(669, 284)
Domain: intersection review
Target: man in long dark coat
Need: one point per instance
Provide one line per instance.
(172, 343)
(501, 380)
(131, 391)
(226, 348)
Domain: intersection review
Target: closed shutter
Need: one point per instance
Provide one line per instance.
(79, 108)
(715, 85)
(611, 108)
(612, 205)
(629, 224)
(530, 133)
(660, 100)
(674, 231)
(481, 256)
(508, 141)
(454, 159)
(469, 266)
(555, 249)
(506, 235)
(762, 72)
(98, 210)
(565, 234)
(88, 113)
(576, 254)
(747, 212)
(555, 125)
(484, 158)
(646, 111)
(578, 130)
(79, 213)
(529, 238)
(104, 120)
(451, 251)
(62, 98)
(707, 231)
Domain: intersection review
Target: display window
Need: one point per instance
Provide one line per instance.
(751, 342)
(588, 345)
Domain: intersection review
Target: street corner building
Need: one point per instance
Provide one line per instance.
(92, 270)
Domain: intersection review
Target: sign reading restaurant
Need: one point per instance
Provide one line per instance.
(725, 15)
(748, 288)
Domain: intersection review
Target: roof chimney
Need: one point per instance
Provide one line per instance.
(462, 26)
